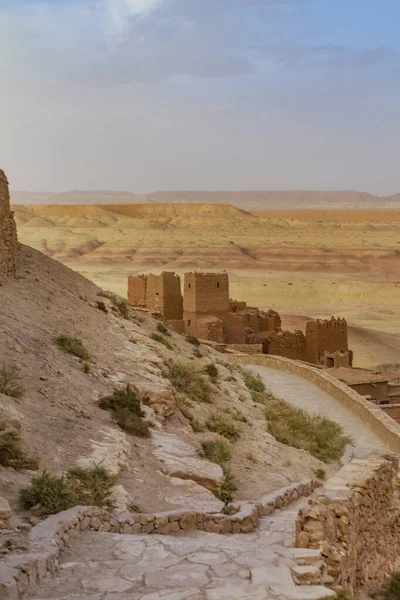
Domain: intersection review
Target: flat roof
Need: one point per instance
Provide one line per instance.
(358, 376)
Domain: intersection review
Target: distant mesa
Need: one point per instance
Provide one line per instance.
(206, 311)
(247, 200)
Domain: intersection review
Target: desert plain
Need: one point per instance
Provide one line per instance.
(302, 263)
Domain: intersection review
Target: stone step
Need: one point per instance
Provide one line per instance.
(302, 556)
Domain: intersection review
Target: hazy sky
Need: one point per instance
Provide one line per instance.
(200, 94)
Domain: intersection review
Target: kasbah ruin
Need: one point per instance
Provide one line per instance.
(206, 311)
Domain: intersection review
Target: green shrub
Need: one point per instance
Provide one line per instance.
(162, 329)
(228, 486)
(320, 473)
(212, 372)
(72, 345)
(292, 426)
(192, 339)
(126, 410)
(10, 381)
(53, 494)
(162, 340)
(12, 450)
(222, 424)
(253, 382)
(187, 380)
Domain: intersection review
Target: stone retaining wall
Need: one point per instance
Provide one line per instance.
(20, 574)
(380, 423)
(355, 520)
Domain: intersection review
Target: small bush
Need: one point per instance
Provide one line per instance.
(102, 306)
(184, 406)
(192, 339)
(10, 381)
(222, 424)
(187, 380)
(53, 494)
(239, 416)
(217, 451)
(125, 407)
(292, 426)
(162, 329)
(197, 426)
(212, 372)
(86, 367)
(228, 486)
(12, 450)
(162, 340)
(320, 473)
(72, 345)
(253, 382)
(120, 304)
(389, 590)
(197, 353)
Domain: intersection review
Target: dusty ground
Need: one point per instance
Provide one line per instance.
(59, 417)
(310, 263)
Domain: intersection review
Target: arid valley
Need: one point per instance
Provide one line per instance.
(302, 263)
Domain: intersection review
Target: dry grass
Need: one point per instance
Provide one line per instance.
(192, 339)
(72, 345)
(218, 451)
(292, 426)
(11, 381)
(253, 382)
(390, 589)
(212, 371)
(222, 424)
(157, 337)
(187, 380)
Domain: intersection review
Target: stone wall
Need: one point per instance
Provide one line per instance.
(206, 293)
(325, 336)
(355, 520)
(291, 344)
(8, 232)
(137, 289)
(210, 328)
(20, 574)
(382, 425)
(158, 294)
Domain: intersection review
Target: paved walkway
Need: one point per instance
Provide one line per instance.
(197, 566)
(310, 397)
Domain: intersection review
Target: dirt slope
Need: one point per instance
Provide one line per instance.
(59, 417)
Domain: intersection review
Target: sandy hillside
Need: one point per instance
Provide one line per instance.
(313, 263)
(59, 417)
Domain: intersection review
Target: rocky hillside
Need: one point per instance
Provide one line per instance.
(188, 390)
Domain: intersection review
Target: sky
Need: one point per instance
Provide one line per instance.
(145, 95)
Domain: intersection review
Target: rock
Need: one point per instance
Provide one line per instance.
(5, 513)
(181, 460)
(302, 539)
(112, 453)
(160, 394)
(120, 499)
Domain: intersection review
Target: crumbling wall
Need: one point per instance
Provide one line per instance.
(137, 289)
(325, 336)
(234, 329)
(290, 344)
(210, 328)
(355, 520)
(206, 293)
(270, 321)
(8, 232)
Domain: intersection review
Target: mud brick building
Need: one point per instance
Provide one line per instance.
(206, 311)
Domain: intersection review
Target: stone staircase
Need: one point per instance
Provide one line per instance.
(262, 565)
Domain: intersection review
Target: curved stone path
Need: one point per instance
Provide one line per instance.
(308, 396)
(263, 565)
